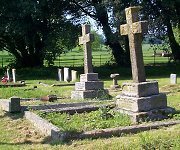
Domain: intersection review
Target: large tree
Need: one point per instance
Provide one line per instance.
(105, 14)
(164, 15)
(32, 30)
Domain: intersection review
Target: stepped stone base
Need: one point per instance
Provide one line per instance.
(88, 94)
(142, 89)
(90, 85)
(142, 101)
(152, 115)
(135, 104)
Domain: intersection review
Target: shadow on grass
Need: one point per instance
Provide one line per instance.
(14, 116)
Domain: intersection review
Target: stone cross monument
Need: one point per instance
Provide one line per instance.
(134, 29)
(86, 40)
(140, 99)
(89, 85)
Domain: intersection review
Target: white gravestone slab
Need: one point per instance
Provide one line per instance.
(173, 79)
(8, 75)
(60, 75)
(67, 77)
(74, 75)
(14, 75)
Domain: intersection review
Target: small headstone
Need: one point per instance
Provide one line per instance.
(11, 105)
(115, 83)
(74, 75)
(8, 75)
(67, 77)
(14, 75)
(173, 79)
(60, 75)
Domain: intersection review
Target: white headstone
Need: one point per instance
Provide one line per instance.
(8, 76)
(173, 78)
(60, 75)
(66, 75)
(74, 75)
(14, 75)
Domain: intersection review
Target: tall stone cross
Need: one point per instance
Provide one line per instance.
(86, 40)
(134, 29)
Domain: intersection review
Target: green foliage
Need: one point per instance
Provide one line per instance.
(86, 121)
(98, 42)
(35, 30)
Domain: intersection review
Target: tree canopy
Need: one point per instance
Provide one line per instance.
(34, 30)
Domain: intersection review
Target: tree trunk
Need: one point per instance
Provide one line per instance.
(121, 57)
(175, 47)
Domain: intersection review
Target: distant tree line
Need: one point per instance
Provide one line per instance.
(34, 30)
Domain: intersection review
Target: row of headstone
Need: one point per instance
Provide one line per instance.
(13, 75)
(67, 75)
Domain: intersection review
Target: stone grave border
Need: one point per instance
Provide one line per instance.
(13, 85)
(48, 129)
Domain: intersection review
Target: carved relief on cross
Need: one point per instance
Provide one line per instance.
(134, 29)
(86, 40)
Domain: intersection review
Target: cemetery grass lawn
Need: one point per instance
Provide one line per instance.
(16, 133)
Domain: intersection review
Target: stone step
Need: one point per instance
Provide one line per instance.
(135, 104)
(89, 77)
(88, 94)
(142, 89)
(91, 85)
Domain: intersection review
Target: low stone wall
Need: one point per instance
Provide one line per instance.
(54, 132)
(44, 126)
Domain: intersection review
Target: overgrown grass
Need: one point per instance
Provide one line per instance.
(99, 119)
(17, 133)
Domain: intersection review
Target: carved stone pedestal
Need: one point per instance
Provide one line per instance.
(142, 101)
(88, 87)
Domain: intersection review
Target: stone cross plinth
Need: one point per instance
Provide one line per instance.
(89, 85)
(140, 99)
(115, 83)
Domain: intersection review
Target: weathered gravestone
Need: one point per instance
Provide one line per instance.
(60, 75)
(74, 75)
(140, 99)
(8, 74)
(11, 105)
(14, 75)
(173, 78)
(89, 85)
(67, 76)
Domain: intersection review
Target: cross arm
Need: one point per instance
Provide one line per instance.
(124, 29)
(86, 38)
(140, 27)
